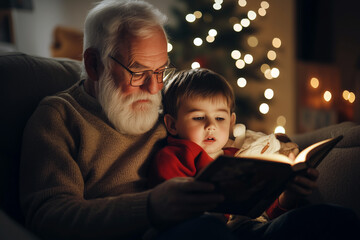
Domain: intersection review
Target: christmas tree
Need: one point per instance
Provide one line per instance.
(219, 35)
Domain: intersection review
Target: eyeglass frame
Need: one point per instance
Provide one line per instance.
(171, 67)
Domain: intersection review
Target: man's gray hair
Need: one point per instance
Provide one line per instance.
(111, 21)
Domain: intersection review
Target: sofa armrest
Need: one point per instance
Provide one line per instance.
(339, 180)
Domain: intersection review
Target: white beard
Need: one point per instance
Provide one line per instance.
(126, 117)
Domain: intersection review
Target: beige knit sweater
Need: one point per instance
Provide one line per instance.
(80, 178)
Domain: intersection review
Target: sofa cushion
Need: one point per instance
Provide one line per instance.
(25, 80)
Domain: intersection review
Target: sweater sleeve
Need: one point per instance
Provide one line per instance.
(52, 187)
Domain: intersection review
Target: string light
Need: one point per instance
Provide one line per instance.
(195, 65)
(267, 74)
(245, 22)
(252, 41)
(169, 47)
(281, 120)
(251, 15)
(235, 54)
(198, 41)
(314, 82)
(271, 55)
(240, 64)
(217, 6)
(264, 108)
(241, 82)
(264, 67)
(248, 58)
(279, 129)
(237, 27)
(265, 4)
(276, 42)
(327, 96)
(190, 18)
(352, 97)
(210, 39)
(242, 3)
(262, 12)
(269, 93)
(275, 72)
(198, 14)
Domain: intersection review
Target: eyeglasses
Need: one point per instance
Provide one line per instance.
(140, 78)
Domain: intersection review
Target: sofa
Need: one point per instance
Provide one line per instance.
(27, 79)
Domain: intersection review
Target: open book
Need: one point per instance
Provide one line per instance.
(250, 184)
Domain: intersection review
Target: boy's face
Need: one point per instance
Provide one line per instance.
(206, 122)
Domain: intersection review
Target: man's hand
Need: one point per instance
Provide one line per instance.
(301, 187)
(181, 198)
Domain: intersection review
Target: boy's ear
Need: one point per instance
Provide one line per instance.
(232, 119)
(170, 123)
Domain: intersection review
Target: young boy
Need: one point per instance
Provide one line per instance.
(199, 115)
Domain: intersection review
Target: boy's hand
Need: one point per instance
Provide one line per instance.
(300, 187)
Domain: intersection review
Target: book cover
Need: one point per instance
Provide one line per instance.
(250, 184)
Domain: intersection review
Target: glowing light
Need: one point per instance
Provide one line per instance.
(217, 6)
(236, 54)
(314, 82)
(267, 74)
(352, 97)
(327, 96)
(264, 67)
(262, 12)
(241, 82)
(275, 72)
(279, 129)
(265, 4)
(218, 1)
(239, 129)
(198, 14)
(195, 65)
(212, 32)
(248, 58)
(264, 108)
(245, 22)
(169, 47)
(252, 41)
(240, 64)
(281, 120)
(276, 42)
(237, 27)
(190, 17)
(346, 94)
(210, 39)
(198, 41)
(251, 15)
(242, 3)
(269, 93)
(271, 55)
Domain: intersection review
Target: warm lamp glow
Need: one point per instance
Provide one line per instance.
(346, 95)
(352, 97)
(198, 14)
(314, 82)
(327, 96)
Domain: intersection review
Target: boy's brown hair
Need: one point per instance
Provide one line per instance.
(193, 83)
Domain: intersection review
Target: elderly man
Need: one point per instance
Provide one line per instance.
(86, 150)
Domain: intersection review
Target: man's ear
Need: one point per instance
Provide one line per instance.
(92, 63)
(170, 124)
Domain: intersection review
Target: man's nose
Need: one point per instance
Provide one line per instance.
(152, 86)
